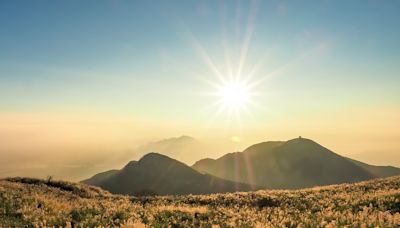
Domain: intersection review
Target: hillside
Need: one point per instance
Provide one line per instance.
(161, 175)
(31, 202)
(297, 163)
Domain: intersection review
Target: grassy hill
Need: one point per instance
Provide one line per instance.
(32, 202)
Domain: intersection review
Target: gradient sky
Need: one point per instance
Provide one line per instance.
(79, 77)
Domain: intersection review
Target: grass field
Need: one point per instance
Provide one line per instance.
(32, 202)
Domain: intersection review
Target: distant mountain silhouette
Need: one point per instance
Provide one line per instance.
(184, 148)
(162, 175)
(297, 163)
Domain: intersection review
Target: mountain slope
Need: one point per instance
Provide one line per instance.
(297, 163)
(378, 171)
(162, 175)
(100, 177)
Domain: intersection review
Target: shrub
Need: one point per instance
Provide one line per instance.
(266, 202)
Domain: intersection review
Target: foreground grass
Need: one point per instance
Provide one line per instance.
(28, 202)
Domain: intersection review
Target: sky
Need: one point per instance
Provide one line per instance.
(85, 80)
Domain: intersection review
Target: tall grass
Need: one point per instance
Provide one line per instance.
(33, 202)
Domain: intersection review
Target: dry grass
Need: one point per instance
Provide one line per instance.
(32, 202)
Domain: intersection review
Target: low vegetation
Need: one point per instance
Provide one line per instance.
(33, 202)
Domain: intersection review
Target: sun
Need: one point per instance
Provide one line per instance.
(234, 95)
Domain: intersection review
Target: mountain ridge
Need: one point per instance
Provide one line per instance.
(293, 164)
(162, 175)
(296, 163)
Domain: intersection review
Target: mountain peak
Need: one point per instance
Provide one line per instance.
(300, 139)
(272, 144)
(263, 146)
(153, 156)
(305, 145)
(160, 161)
(185, 137)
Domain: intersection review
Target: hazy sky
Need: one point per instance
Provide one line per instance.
(96, 77)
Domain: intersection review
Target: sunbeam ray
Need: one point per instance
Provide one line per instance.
(207, 60)
(247, 39)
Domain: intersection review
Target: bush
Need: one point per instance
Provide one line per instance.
(79, 216)
(266, 202)
(120, 217)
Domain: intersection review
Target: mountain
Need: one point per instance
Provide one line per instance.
(183, 148)
(156, 173)
(296, 163)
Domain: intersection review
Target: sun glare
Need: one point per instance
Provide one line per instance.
(234, 80)
(234, 95)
